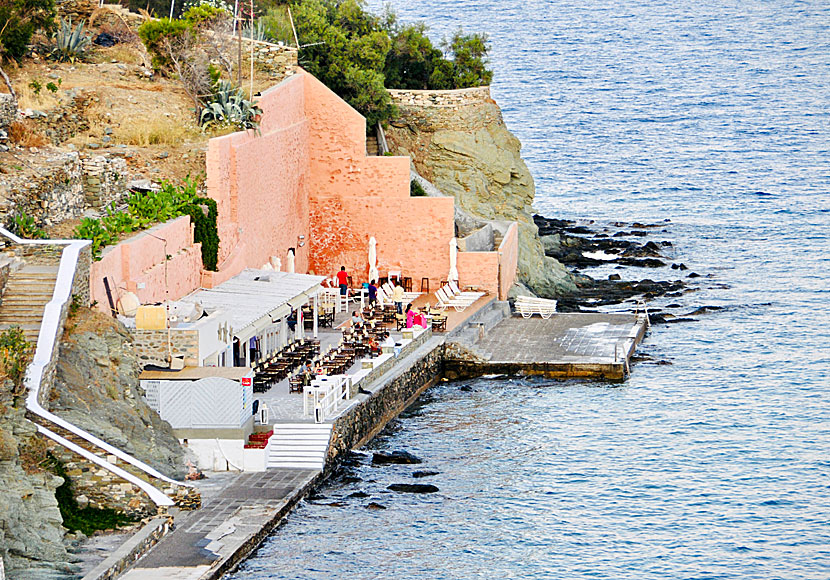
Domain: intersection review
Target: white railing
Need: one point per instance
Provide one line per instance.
(642, 304)
(48, 336)
(321, 398)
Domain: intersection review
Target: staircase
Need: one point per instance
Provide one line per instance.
(27, 292)
(371, 145)
(299, 445)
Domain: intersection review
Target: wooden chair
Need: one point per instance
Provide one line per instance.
(400, 322)
(407, 284)
(425, 285)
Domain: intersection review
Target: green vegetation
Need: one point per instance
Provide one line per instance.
(15, 354)
(415, 189)
(358, 55)
(155, 33)
(89, 519)
(70, 42)
(147, 208)
(230, 107)
(24, 225)
(19, 19)
(36, 87)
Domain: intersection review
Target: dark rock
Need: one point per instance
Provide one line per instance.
(396, 457)
(413, 488)
(375, 506)
(105, 39)
(693, 275)
(466, 388)
(418, 474)
(315, 497)
(615, 277)
(679, 267)
(359, 494)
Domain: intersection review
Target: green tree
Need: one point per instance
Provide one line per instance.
(19, 19)
(470, 59)
(412, 59)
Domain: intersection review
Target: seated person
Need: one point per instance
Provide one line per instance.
(410, 316)
(420, 319)
(356, 319)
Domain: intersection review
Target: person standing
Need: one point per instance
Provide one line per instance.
(397, 297)
(343, 281)
(373, 292)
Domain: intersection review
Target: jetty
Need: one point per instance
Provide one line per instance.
(241, 509)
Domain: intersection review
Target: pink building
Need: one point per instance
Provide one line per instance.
(303, 183)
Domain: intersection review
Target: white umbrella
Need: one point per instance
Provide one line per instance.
(289, 262)
(453, 275)
(277, 263)
(373, 259)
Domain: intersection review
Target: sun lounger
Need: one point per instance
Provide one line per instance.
(445, 302)
(407, 296)
(527, 306)
(455, 292)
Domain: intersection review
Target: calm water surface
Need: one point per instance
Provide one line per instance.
(713, 115)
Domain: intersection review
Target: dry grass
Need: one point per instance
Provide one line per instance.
(157, 130)
(25, 134)
(27, 99)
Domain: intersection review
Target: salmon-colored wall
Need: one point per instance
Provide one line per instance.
(140, 260)
(508, 260)
(353, 197)
(259, 183)
(492, 271)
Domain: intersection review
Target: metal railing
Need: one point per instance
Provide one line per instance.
(321, 401)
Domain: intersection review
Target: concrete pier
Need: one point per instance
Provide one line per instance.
(567, 345)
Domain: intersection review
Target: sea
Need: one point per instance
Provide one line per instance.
(712, 461)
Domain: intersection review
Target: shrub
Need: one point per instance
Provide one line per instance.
(154, 34)
(23, 133)
(416, 190)
(24, 226)
(19, 19)
(15, 353)
(70, 42)
(198, 15)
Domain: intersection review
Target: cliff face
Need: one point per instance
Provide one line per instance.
(461, 144)
(31, 531)
(97, 389)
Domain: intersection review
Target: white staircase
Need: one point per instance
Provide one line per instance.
(299, 445)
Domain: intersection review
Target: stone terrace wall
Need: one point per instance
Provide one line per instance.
(276, 61)
(454, 98)
(151, 346)
(365, 420)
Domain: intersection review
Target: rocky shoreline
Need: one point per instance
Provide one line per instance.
(581, 246)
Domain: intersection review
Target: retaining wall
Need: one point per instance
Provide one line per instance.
(451, 98)
(131, 550)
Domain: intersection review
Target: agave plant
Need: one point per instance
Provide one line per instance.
(70, 42)
(230, 107)
(256, 32)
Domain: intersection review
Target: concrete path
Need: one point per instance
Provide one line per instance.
(248, 507)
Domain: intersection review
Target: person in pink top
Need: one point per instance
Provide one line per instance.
(410, 316)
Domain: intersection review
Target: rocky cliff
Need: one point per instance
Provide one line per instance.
(461, 144)
(31, 534)
(97, 389)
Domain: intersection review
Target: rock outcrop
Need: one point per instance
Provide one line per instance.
(97, 389)
(465, 150)
(31, 530)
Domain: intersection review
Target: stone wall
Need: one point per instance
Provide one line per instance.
(64, 122)
(131, 550)
(8, 110)
(105, 179)
(151, 346)
(454, 98)
(276, 61)
(364, 420)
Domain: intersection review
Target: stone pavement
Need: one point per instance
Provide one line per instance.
(248, 507)
(564, 338)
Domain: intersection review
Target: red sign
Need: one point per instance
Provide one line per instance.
(246, 381)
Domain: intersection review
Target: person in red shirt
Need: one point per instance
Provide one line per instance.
(343, 280)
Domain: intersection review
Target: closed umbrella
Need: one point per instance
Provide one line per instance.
(373, 259)
(453, 275)
(277, 264)
(289, 262)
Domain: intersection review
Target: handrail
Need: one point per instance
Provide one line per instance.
(46, 342)
(645, 311)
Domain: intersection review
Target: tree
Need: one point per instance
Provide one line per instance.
(470, 59)
(19, 19)
(412, 59)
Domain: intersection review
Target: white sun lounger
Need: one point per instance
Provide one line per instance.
(527, 306)
(407, 296)
(445, 302)
(455, 292)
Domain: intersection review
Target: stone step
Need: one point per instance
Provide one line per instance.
(371, 145)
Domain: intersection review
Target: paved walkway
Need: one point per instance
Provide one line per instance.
(563, 338)
(247, 506)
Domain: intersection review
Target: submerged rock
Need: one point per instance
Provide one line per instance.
(396, 457)
(375, 506)
(359, 494)
(413, 488)
(418, 474)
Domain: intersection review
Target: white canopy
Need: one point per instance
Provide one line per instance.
(453, 275)
(373, 260)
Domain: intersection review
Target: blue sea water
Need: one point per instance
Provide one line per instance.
(714, 115)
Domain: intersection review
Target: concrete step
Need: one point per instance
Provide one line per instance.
(296, 465)
(299, 445)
